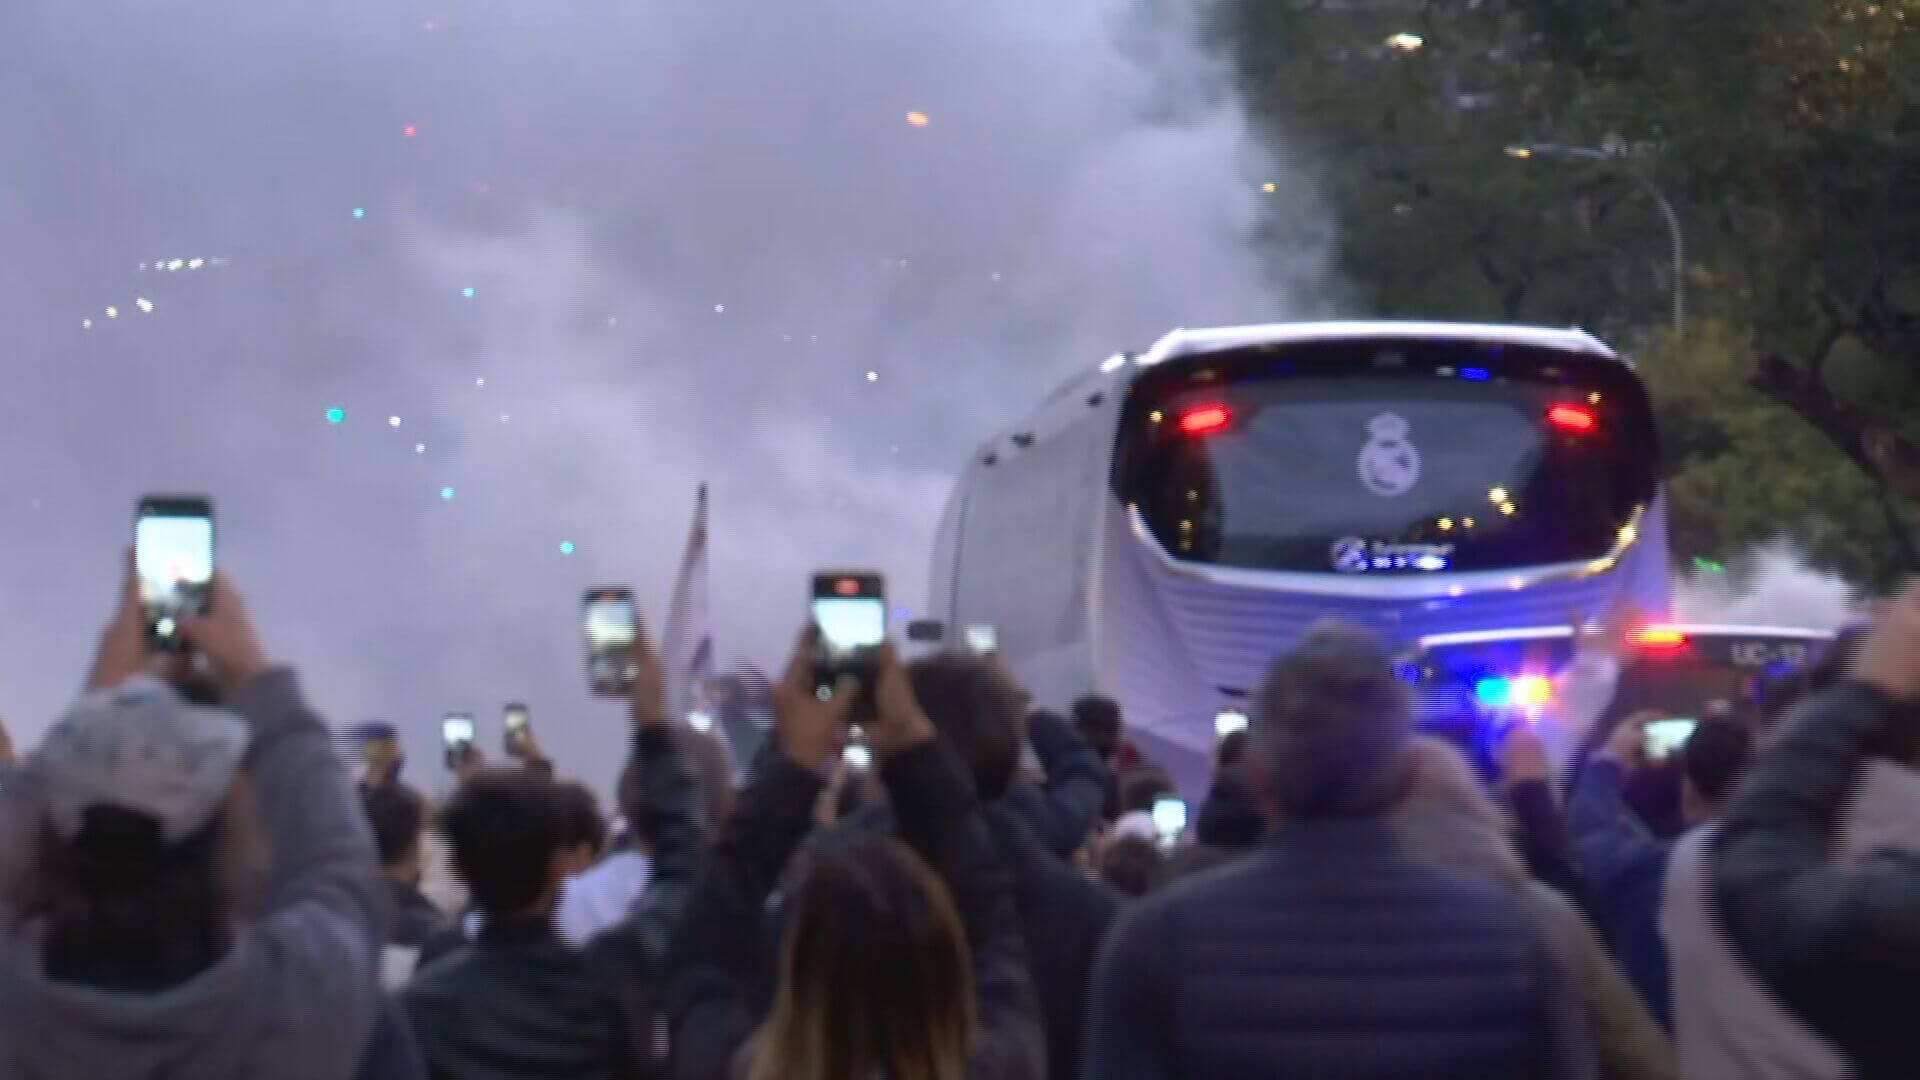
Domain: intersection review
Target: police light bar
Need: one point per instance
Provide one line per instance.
(1661, 639)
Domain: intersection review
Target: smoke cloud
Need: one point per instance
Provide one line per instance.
(690, 232)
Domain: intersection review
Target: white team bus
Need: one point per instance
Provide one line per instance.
(1164, 525)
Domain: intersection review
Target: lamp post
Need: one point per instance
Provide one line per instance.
(1615, 153)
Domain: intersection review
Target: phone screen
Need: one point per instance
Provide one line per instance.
(1666, 736)
(983, 640)
(610, 622)
(611, 625)
(1169, 817)
(1228, 722)
(457, 731)
(850, 611)
(173, 559)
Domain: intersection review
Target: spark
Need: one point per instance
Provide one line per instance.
(1405, 42)
(1269, 187)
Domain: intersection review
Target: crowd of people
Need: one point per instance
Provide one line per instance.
(193, 886)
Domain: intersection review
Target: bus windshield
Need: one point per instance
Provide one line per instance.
(1389, 456)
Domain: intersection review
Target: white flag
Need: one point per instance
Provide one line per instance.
(687, 644)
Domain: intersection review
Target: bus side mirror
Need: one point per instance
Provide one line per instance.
(927, 631)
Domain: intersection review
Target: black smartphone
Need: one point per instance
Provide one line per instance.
(849, 612)
(456, 733)
(611, 625)
(173, 559)
(515, 720)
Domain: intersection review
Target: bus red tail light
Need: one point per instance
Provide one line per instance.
(1575, 419)
(1205, 420)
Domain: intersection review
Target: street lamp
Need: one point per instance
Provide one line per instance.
(1612, 154)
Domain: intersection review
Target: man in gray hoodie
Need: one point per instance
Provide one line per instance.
(132, 944)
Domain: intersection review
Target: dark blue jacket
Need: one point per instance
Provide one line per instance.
(1063, 811)
(1624, 867)
(1329, 953)
(1064, 916)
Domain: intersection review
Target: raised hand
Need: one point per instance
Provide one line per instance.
(811, 731)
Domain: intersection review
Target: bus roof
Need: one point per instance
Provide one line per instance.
(1185, 342)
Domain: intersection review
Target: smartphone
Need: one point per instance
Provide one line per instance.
(456, 732)
(983, 640)
(1666, 736)
(173, 560)
(611, 625)
(1228, 721)
(515, 719)
(850, 612)
(1169, 818)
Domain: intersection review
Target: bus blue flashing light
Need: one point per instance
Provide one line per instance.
(1477, 374)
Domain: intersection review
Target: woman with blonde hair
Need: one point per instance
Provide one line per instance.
(899, 960)
(1447, 818)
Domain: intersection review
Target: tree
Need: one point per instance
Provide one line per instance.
(1788, 132)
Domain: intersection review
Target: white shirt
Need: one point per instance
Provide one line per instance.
(602, 896)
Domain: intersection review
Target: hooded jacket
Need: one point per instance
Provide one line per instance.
(296, 994)
(1449, 820)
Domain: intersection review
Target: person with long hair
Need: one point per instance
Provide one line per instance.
(900, 958)
(145, 930)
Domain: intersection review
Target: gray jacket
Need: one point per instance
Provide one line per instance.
(296, 996)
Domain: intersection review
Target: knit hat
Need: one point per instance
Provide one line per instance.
(140, 747)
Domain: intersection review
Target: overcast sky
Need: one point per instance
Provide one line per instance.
(690, 228)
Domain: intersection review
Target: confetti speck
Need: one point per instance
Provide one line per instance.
(446, 493)
(873, 376)
(918, 119)
(393, 421)
(1269, 187)
(336, 415)
(113, 313)
(145, 305)
(719, 309)
(410, 131)
(86, 324)
(504, 418)
(566, 547)
(467, 292)
(195, 264)
(419, 448)
(359, 212)
(480, 382)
